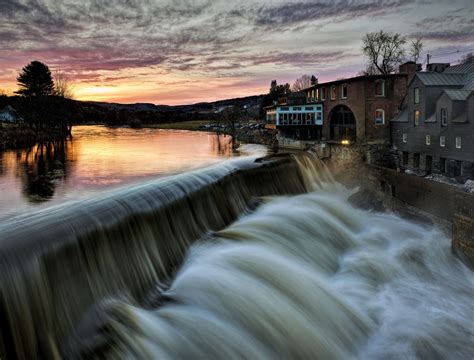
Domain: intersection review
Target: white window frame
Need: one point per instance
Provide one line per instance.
(317, 94)
(383, 117)
(333, 90)
(442, 141)
(428, 140)
(405, 138)
(458, 142)
(416, 95)
(381, 81)
(343, 86)
(444, 116)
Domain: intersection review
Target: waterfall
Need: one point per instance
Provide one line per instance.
(251, 259)
(59, 262)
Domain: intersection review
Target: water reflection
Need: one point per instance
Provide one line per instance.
(98, 158)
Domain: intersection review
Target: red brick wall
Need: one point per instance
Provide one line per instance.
(362, 101)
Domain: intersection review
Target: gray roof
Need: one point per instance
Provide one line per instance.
(441, 79)
(402, 116)
(460, 69)
(469, 85)
(456, 94)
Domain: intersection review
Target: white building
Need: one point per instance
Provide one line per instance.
(7, 114)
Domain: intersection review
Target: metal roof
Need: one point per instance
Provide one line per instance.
(469, 82)
(402, 116)
(460, 69)
(456, 94)
(441, 79)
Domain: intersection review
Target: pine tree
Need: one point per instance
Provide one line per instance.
(35, 80)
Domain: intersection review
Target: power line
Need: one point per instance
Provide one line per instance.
(452, 52)
(430, 56)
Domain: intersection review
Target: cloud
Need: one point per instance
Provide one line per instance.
(108, 42)
(290, 14)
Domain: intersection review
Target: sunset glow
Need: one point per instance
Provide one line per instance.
(180, 52)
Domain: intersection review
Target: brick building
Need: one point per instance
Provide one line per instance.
(358, 109)
(434, 131)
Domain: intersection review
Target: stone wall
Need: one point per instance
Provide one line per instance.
(356, 166)
(463, 227)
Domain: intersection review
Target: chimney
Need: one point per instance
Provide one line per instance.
(410, 68)
(437, 67)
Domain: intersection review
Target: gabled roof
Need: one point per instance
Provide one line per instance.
(460, 69)
(402, 116)
(455, 94)
(469, 82)
(441, 79)
(8, 109)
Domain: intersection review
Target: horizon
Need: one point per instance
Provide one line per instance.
(182, 53)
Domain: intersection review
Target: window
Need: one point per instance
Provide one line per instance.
(309, 108)
(285, 108)
(379, 117)
(317, 94)
(416, 95)
(296, 108)
(442, 165)
(323, 93)
(380, 88)
(428, 164)
(405, 158)
(428, 140)
(458, 142)
(442, 141)
(416, 116)
(344, 91)
(416, 160)
(457, 168)
(405, 138)
(333, 93)
(444, 116)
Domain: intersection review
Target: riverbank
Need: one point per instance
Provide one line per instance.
(17, 136)
(251, 132)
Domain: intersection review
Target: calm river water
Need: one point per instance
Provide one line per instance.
(100, 158)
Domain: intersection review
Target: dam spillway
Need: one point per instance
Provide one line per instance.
(253, 258)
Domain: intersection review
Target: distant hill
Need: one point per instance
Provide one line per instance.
(247, 102)
(120, 114)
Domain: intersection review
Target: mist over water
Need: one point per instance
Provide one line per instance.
(308, 276)
(220, 263)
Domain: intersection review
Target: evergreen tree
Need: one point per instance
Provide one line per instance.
(35, 80)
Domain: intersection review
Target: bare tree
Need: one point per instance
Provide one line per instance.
(301, 83)
(62, 86)
(416, 46)
(468, 58)
(369, 70)
(384, 50)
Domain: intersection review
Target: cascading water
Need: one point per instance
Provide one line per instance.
(301, 276)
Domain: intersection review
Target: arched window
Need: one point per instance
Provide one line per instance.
(379, 117)
(380, 87)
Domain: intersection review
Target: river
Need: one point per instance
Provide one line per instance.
(245, 259)
(99, 158)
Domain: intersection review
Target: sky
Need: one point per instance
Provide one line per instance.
(182, 52)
